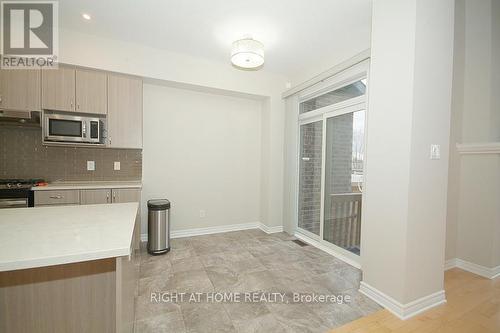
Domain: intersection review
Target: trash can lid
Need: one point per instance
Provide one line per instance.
(158, 204)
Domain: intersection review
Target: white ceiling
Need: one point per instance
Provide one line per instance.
(295, 33)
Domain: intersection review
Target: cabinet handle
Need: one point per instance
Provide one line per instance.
(114, 197)
(56, 196)
(1, 99)
(107, 197)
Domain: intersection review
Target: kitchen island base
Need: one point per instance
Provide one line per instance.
(90, 296)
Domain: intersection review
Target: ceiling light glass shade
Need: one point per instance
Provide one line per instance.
(247, 53)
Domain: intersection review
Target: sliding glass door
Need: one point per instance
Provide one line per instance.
(330, 167)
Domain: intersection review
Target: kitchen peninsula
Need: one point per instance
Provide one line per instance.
(68, 268)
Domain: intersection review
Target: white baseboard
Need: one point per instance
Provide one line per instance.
(403, 311)
(270, 230)
(220, 229)
(450, 263)
(213, 230)
(496, 272)
(487, 272)
(327, 249)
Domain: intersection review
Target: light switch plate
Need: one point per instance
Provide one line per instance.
(116, 166)
(90, 165)
(435, 152)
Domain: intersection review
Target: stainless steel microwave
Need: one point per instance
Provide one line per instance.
(73, 128)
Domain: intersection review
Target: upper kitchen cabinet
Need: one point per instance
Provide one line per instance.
(20, 89)
(124, 111)
(91, 93)
(58, 89)
(70, 89)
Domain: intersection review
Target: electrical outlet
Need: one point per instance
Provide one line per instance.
(116, 166)
(203, 213)
(90, 165)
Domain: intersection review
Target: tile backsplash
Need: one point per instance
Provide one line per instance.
(22, 155)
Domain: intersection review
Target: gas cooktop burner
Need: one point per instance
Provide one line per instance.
(13, 184)
(16, 193)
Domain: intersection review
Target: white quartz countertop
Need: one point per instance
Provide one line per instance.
(87, 185)
(46, 236)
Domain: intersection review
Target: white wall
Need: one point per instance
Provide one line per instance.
(403, 232)
(478, 74)
(495, 70)
(107, 54)
(457, 104)
(478, 210)
(473, 220)
(388, 186)
(359, 41)
(430, 125)
(202, 151)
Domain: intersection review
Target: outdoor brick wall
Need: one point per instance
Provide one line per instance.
(339, 139)
(339, 154)
(310, 177)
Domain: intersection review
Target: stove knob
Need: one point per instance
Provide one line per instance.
(19, 185)
(9, 185)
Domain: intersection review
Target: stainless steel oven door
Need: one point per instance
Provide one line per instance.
(13, 203)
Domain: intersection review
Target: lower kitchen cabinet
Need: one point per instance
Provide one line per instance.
(123, 195)
(91, 197)
(103, 196)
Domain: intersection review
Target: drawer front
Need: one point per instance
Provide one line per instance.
(65, 197)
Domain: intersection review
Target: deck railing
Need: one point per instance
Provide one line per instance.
(343, 221)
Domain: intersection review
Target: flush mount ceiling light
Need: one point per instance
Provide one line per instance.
(86, 16)
(247, 53)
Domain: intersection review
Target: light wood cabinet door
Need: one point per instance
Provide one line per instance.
(123, 195)
(91, 91)
(124, 111)
(58, 89)
(92, 197)
(20, 89)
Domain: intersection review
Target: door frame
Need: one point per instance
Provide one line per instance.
(351, 75)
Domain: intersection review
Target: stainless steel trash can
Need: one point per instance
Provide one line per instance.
(158, 226)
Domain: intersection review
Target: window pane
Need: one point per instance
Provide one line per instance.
(311, 136)
(343, 179)
(342, 94)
